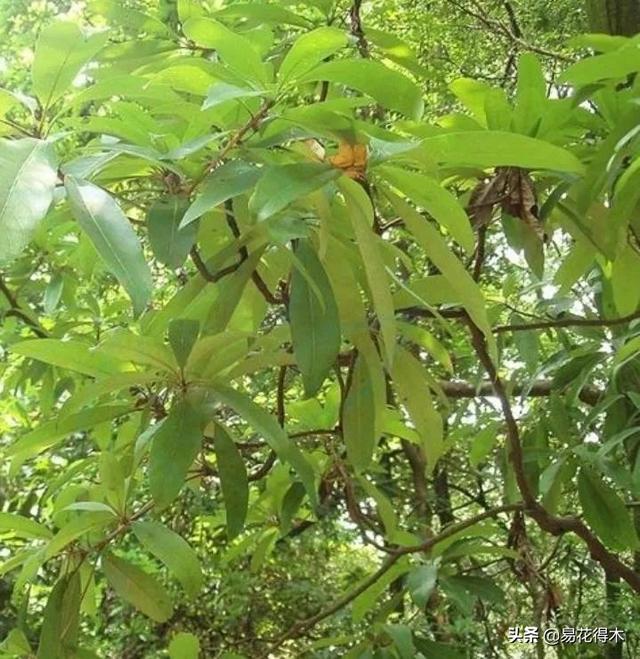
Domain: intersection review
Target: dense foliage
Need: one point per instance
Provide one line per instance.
(319, 328)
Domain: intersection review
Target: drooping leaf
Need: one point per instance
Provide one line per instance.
(420, 583)
(266, 425)
(315, 326)
(233, 481)
(360, 212)
(174, 448)
(135, 586)
(605, 511)
(113, 237)
(358, 421)
(173, 551)
(29, 172)
(60, 619)
(169, 242)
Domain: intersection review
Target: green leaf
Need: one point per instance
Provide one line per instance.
(184, 646)
(315, 326)
(138, 588)
(173, 551)
(448, 263)
(170, 243)
(617, 64)
(437, 201)
(60, 619)
(235, 50)
(29, 173)
(531, 95)
(124, 346)
(358, 420)
(174, 448)
(233, 481)
(263, 13)
(388, 87)
(309, 50)
(183, 334)
(360, 212)
(421, 582)
(266, 425)
(412, 385)
(497, 149)
(61, 53)
(372, 595)
(84, 523)
(605, 512)
(72, 355)
(48, 434)
(223, 91)
(626, 269)
(23, 527)
(227, 181)
(281, 185)
(113, 237)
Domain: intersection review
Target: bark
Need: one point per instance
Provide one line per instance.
(621, 17)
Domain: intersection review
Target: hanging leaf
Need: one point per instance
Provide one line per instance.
(605, 512)
(138, 588)
(114, 239)
(29, 173)
(22, 527)
(358, 421)
(315, 326)
(170, 243)
(174, 448)
(173, 551)
(61, 619)
(361, 215)
(233, 480)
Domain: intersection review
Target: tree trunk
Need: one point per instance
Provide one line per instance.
(614, 16)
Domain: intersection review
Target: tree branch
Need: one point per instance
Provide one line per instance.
(17, 311)
(547, 522)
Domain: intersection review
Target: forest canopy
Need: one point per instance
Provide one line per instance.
(319, 329)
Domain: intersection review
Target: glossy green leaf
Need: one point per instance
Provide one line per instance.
(235, 50)
(282, 185)
(62, 51)
(606, 512)
(137, 587)
(227, 181)
(233, 481)
(222, 92)
(309, 50)
(616, 64)
(173, 551)
(113, 237)
(29, 173)
(421, 582)
(497, 149)
(315, 326)
(262, 13)
(170, 243)
(626, 269)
